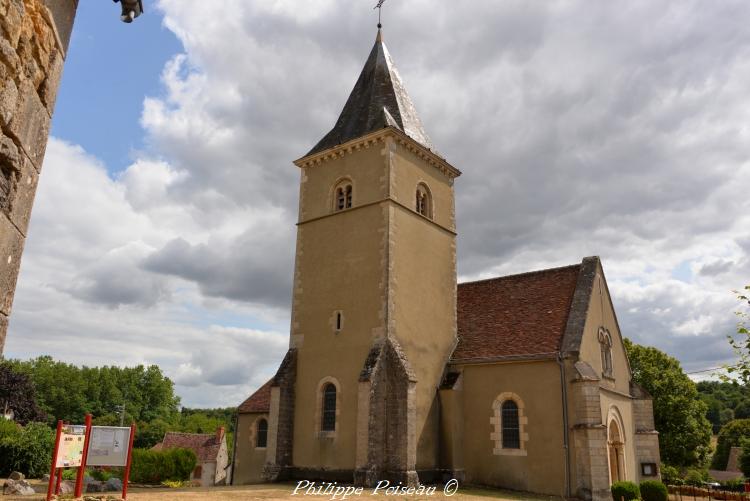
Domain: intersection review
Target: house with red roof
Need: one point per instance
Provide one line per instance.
(396, 372)
(209, 448)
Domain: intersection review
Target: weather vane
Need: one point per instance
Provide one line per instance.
(379, 6)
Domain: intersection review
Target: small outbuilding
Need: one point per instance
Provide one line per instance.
(210, 449)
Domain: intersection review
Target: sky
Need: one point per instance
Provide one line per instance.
(164, 224)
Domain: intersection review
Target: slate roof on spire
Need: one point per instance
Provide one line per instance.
(378, 100)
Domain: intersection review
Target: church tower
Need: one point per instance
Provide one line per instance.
(374, 300)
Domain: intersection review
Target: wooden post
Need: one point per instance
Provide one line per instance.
(82, 468)
(126, 475)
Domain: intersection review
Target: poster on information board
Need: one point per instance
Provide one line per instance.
(108, 446)
(70, 448)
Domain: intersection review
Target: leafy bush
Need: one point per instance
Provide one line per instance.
(670, 475)
(9, 428)
(28, 450)
(102, 475)
(736, 485)
(696, 477)
(625, 490)
(653, 490)
(731, 435)
(173, 484)
(154, 467)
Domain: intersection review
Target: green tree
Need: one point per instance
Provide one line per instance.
(150, 434)
(17, 394)
(67, 392)
(679, 415)
(731, 435)
(741, 345)
(745, 457)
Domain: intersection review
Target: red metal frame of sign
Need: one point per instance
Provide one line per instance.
(55, 474)
(82, 468)
(54, 461)
(126, 475)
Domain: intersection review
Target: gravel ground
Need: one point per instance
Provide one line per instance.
(284, 492)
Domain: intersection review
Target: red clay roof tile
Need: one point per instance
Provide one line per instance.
(205, 445)
(514, 316)
(260, 401)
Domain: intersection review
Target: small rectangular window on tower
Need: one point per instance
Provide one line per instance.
(338, 321)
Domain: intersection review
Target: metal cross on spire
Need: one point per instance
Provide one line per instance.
(379, 6)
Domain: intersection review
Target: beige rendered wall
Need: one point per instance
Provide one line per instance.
(339, 266)
(614, 391)
(34, 38)
(602, 314)
(248, 459)
(423, 287)
(542, 469)
(387, 269)
(208, 473)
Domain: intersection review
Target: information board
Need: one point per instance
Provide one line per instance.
(70, 448)
(108, 446)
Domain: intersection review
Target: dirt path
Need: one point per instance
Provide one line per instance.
(283, 492)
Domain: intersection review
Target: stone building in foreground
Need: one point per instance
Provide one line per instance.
(34, 37)
(395, 372)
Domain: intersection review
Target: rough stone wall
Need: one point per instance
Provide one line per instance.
(643, 414)
(646, 436)
(282, 419)
(34, 37)
(589, 443)
(391, 433)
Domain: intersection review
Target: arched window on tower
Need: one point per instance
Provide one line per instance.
(423, 200)
(328, 421)
(343, 195)
(605, 344)
(261, 433)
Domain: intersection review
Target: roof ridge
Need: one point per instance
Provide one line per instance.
(189, 433)
(513, 275)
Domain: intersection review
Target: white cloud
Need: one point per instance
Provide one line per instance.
(580, 128)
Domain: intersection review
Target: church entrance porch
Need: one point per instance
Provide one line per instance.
(615, 449)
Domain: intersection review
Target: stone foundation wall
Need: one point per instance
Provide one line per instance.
(281, 420)
(391, 434)
(34, 37)
(591, 474)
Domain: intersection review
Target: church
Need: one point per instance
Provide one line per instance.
(396, 372)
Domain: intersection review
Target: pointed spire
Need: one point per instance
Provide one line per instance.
(379, 99)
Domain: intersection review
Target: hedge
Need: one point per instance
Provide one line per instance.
(653, 490)
(625, 490)
(154, 467)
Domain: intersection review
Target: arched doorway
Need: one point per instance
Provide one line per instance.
(616, 451)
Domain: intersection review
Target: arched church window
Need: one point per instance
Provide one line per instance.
(328, 422)
(423, 200)
(605, 345)
(261, 433)
(511, 427)
(343, 195)
(509, 422)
